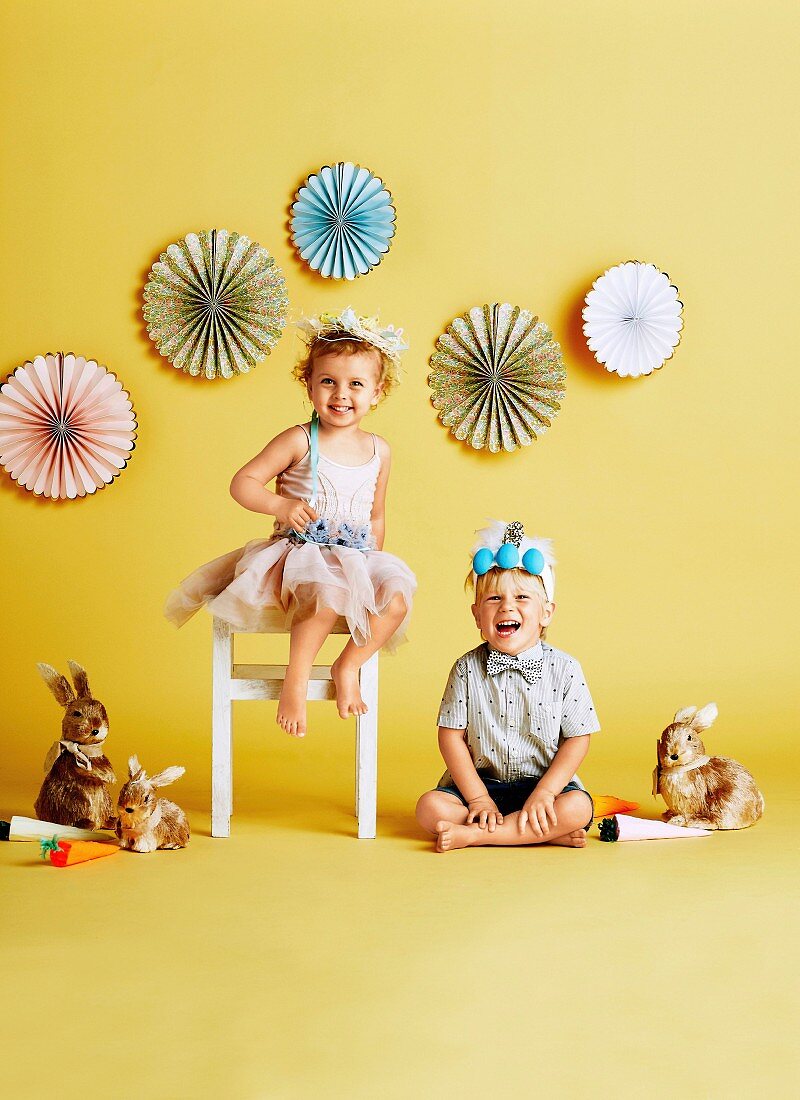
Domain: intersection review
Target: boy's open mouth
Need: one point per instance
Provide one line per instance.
(507, 627)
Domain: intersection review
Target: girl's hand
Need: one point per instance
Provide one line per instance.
(483, 810)
(539, 810)
(295, 513)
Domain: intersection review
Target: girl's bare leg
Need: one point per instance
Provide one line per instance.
(305, 643)
(571, 808)
(344, 669)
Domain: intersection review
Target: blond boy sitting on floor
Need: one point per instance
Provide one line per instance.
(516, 716)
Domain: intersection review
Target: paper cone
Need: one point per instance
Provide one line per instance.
(31, 828)
(625, 827)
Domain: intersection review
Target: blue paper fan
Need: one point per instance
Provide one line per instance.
(343, 221)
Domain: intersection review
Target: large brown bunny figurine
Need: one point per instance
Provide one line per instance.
(77, 773)
(706, 792)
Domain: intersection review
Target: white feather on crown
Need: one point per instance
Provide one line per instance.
(493, 537)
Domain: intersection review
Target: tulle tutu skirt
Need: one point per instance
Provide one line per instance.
(246, 586)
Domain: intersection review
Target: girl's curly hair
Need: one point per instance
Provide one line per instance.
(388, 376)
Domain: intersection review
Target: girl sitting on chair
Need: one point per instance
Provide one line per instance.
(325, 558)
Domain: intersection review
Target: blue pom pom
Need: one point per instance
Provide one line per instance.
(533, 561)
(507, 556)
(483, 561)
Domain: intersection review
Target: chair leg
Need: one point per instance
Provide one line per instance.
(221, 740)
(367, 752)
(358, 757)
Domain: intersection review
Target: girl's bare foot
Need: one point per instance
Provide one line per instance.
(449, 835)
(348, 692)
(291, 715)
(575, 839)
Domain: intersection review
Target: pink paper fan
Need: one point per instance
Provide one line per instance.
(67, 426)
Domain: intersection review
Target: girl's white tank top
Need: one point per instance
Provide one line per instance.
(344, 493)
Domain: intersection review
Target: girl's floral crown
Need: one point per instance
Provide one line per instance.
(506, 546)
(349, 326)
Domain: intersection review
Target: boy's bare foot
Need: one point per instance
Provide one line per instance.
(449, 835)
(291, 714)
(575, 839)
(348, 692)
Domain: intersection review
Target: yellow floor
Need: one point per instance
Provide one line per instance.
(294, 961)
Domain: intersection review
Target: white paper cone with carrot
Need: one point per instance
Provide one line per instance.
(625, 827)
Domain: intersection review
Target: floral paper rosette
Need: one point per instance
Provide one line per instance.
(632, 319)
(497, 377)
(67, 426)
(215, 304)
(343, 221)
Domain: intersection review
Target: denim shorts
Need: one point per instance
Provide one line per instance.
(510, 797)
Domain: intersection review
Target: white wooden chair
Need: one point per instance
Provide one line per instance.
(231, 682)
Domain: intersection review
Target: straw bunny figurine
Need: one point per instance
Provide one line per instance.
(144, 821)
(707, 792)
(77, 773)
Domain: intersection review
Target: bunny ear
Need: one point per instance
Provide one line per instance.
(80, 679)
(703, 719)
(169, 775)
(58, 684)
(135, 769)
(683, 716)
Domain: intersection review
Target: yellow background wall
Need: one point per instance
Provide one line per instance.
(528, 148)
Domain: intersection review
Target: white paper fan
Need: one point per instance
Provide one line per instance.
(632, 319)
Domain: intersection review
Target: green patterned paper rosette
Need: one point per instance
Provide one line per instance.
(215, 304)
(497, 377)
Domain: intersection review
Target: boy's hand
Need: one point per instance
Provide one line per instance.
(539, 810)
(483, 810)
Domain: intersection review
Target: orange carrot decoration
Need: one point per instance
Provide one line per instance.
(606, 805)
(66, 853)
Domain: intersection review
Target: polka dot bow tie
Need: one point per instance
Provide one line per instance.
(497, 661)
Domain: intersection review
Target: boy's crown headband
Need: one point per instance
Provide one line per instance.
(506, 546)
(347, 326)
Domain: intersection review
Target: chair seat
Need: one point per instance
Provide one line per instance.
(274, 623)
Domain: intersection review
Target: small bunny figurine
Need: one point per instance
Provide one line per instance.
(145, 822)
(707, 792)
(77, 773)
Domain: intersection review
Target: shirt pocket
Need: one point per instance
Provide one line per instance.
(544, 735)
